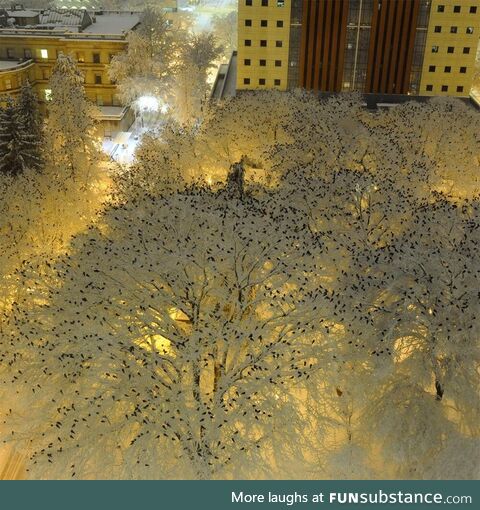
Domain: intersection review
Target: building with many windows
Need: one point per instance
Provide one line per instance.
(31, 40)
(421, 47)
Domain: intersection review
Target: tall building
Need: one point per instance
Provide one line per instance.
(31, 40)
(422, 47)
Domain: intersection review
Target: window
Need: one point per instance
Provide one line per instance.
(10, 53)
(469, 30)
(96, 58)
(264, 3)
(456, 8)
(429, 88)
(246, 81)
(278, 63)
(263, 23)
(431, 69)
(248, 2)
(278, 44)
(248, 22)
(27, 53)
(247, 62)
(80, 57)
(98, 79)
(100, 100)
(248, 42)
(463, 70)
(444, 88)
(279, 23)
(453, 30)
(466, 51)
(263, 43)
(448, 69)
(280, 3)
(450, 49)
(434, 49)
(438, 29)
(45, 73)
(441, 8)
(48, 94)
(261, 81)
(460, 88)
(44, 53)
(276, 82)
(8, 84)
(263, 62)
(473, 9)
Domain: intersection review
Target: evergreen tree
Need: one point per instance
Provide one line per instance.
(19, 149)
(29, 112)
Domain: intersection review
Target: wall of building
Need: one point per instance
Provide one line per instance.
(448, 65)
(263, 50)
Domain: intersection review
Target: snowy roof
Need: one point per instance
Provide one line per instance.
(12, 64)
(62, 17)
(113, 23)
(22, 14)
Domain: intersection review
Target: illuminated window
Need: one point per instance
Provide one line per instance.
(278, 44)
(264, 23)
(463, 70)
(80, 57)
(261, 81)
(263, 62)
(444, 88)
(448, 69)
(438, 29)
(246, 81)
(450, 49)
(279, 23)
(431, 69)
(453, 30)
(456, 8)
(247, 62)
(429, 88)
(276, 82)
(460, 88)
(248, 22)
(263, 43)
(48, 94)
(441, 8)
(466, 51)
(434, 49)
(44, 53)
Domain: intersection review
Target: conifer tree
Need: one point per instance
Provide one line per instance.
(29, 112)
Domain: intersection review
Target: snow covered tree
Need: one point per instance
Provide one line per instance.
(29, 112)
(225, 29)
(71, 138)
(19, 148)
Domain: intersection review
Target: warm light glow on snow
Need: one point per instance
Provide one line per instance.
(148, 104)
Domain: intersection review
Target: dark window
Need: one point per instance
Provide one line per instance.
(10, 53)
(96, 58)
(279, 23)
(469, 30)
(456, 8)
(278, 63)
(460, 88)
(466, 51)
(444, 88)
(453, 30)
(263, 62)
(247, 61)
(98, 79)
(278, 44)
(441, 8)
(429, 88)
(246, 81)
(276, 82)
(261, 81)
(248, 22)
(264, 3)
(434, 49)
(248, 2)
(263, 43)
(448, 69)
(438, 29)
(463, 70)
(450, 49)
(27, 53)
(248, 42)
(431, 69)
(263, 23)
(473, 9)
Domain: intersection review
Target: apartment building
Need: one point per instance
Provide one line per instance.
(420, 47)
(31, 40)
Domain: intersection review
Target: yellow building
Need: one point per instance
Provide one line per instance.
(263, 44)
(451, 47)
(414, 47)
(30, 42)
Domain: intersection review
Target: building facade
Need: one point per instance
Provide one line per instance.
(421, 47)
(31, 40)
